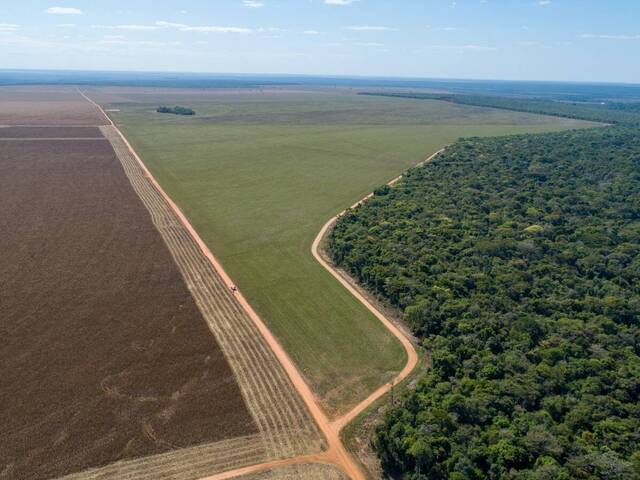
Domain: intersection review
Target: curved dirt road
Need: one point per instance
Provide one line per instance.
(412, 356)
(336, 454)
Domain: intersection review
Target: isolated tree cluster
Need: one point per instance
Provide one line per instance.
(516, 260)
(177, 110)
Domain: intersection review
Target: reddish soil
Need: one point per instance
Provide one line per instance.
(38, 93)
(57, 106)
(50, 132)
(48, 113)
(104, 354)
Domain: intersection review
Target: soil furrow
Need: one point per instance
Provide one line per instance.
(260, 376)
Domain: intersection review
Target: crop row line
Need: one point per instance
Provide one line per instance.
(285, 424)
(183, 464)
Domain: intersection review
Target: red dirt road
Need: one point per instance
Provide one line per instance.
(412, 356)
(336, 453)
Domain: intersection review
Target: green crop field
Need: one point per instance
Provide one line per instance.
(259, 173)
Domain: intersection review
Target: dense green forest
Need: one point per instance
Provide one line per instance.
(606, 112)
(516, 260)
(176, 110)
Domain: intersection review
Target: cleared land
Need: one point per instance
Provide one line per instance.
(105, 355)
(286, 427)
(258, 174)
(128, 355)
(57, 106)
(49, 132)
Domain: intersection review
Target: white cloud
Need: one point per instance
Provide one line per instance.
(371, 28)
(163, 24)
(66, 25)
(472, 47)
(214, 29)
(8, 27)
(177, 26)
(370, 44)
(544, 2)
(203, 29)
(128, 27)
(140, 43)
(311, 32)
(269, 30)
(252, 3)
(8, 38)
(339, 2)
(444, 29)
(63, 11)
(612, 37)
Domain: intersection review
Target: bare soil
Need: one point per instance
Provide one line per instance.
(104, 354)
(50, 132)
(48, 113)
(57, 106)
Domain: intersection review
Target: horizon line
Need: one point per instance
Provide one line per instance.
(324, 76)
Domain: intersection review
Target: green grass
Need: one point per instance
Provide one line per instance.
(259, 174)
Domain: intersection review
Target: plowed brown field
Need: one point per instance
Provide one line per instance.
(104, 354)
(38, 105)
(49, 132)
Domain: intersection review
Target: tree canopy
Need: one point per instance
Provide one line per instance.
(623, 113)
(516, 260)
(177, 110)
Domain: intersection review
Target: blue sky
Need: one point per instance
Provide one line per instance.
(583, 40)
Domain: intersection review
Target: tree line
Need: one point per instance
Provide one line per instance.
(606, 112)
(516, 261)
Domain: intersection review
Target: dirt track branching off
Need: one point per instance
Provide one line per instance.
(282, 418)
(258, 174)
(336, 453)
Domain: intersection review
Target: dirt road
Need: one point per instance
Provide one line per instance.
(336, 454)
(412, 356)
